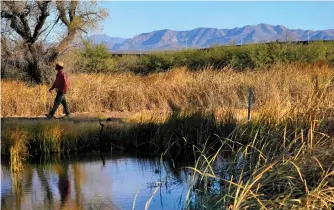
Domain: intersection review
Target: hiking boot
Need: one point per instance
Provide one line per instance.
(48, 116)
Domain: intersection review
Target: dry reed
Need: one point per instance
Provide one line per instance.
(280, 88)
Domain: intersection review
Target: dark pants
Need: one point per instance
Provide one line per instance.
(60, 99)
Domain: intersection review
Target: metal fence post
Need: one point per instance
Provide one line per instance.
(250, 95)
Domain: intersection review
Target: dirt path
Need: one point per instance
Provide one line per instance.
(84, 116)
(79, 117)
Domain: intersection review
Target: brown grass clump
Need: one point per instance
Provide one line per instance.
(16, 142)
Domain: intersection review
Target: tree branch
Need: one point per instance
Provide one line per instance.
(18, 19)
(50, 29)
(66, 41)
(62, 13)
(14, 23)
(87, 14)
(26, 27)
(6, 14)
(83, 30)
(41, 20)
(71, 12)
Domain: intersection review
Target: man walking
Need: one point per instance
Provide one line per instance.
(61, 84)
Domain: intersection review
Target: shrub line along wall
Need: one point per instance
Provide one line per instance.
(238, 58)
(97, 59)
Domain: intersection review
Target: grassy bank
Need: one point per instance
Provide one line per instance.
(197, 105)
(177, 131)
(157, 131)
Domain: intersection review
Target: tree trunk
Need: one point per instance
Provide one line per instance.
(34, 70)
(39, 63)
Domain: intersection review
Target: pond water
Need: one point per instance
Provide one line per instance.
(117, 182)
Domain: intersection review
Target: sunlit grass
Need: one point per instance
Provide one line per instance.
(17, 145)
(40, 137)
(277, 88)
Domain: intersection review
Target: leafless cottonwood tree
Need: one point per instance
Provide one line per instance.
(34, 33)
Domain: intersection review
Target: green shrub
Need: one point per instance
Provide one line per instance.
(127, 63)
(237, 57)
(96, 59)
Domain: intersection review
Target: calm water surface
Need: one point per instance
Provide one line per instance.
(88, 183)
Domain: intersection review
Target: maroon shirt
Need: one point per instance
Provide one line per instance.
(61, 82)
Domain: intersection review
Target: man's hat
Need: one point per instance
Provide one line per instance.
(61, 64)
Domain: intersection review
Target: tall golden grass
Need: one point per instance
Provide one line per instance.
(17, 140)
(278, 88)
(21, 138)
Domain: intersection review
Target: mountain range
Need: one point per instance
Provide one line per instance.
(167, 39)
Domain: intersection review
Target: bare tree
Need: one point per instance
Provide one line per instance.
(44, 30)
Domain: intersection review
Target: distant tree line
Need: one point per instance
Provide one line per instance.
(97, 59)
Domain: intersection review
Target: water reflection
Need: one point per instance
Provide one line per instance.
(45, 184)
(64, 184)
(87, 182)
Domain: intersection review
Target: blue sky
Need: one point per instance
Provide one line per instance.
(128, 19)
